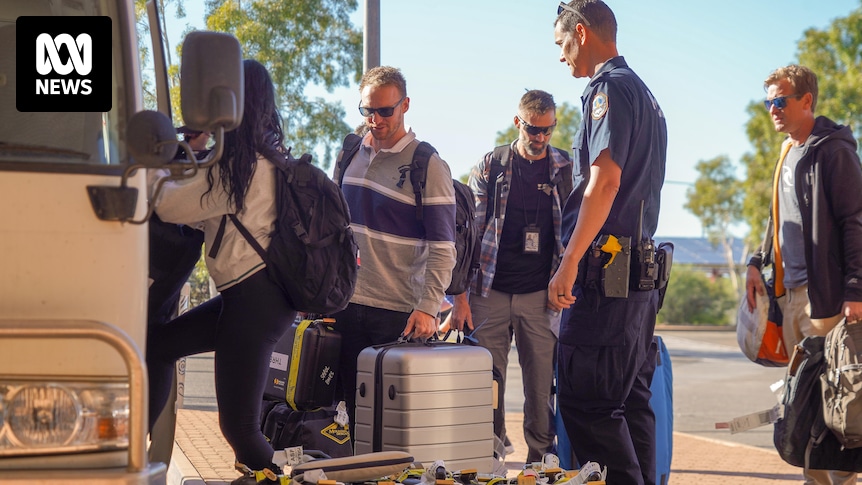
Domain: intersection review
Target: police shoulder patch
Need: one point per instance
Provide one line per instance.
(600, 106)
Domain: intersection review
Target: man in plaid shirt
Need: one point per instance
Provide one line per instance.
(518, 213)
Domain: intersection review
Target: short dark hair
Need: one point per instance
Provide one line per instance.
(600, 17)
(536, 101)
(801, 78)
(383, 75)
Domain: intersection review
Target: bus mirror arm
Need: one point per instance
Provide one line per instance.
(119, 203)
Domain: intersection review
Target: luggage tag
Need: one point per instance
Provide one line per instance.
(461, 336)
(751, 421)
(531, 239)
(288, 457)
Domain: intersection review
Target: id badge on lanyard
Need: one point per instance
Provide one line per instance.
(532, 241)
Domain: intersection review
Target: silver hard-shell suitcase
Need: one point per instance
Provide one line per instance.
(433, 400)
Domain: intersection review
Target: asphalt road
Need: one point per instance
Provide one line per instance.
(713, 382)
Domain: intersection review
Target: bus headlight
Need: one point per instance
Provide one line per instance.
(40, 416)
(63, 417)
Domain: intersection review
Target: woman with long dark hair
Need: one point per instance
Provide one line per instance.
(245, 321)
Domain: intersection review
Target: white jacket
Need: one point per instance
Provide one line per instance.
(180, 202)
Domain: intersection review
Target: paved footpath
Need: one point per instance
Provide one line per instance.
(203, 457)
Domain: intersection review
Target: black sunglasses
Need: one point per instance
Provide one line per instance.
(384, 112)
(563, 7)
(535, 130)
(779, 102)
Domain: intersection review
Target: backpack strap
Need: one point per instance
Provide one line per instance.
(418, 173)
(213, 252)
(563, 180)
(278, 159)
(348, 150)
(248, 237)
(500, 157)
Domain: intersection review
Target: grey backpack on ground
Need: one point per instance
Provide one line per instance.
(842, 383)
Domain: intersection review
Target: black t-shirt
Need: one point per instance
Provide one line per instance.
(527, 205)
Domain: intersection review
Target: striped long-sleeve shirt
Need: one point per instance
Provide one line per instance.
(405, 264)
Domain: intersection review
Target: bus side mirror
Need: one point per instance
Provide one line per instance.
(152, 139)
(211, 81)
(152, 143)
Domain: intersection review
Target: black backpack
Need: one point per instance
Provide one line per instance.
(467, 245)
(312, 255)
(801, 436)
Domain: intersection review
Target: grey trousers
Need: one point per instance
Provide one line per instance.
(502, 316)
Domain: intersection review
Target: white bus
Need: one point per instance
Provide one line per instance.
(74, 249)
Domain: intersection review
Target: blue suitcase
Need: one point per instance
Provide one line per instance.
(662, 405)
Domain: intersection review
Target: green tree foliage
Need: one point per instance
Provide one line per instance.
(759, 166)
(835, 55)
(302, 43)
(693, 298)
(142, 24)
(568, 121)
(716, 200)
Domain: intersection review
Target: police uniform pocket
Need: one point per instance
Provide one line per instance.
(614, 322)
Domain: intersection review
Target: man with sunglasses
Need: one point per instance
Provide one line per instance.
(606, 354)
(518, 207)
(406, 263)
(817, 214)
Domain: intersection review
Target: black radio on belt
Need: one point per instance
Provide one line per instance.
(614, 267)
(645, 271)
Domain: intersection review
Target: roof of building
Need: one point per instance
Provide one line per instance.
(701, 252)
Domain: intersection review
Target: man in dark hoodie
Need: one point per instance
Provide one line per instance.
(817, 214)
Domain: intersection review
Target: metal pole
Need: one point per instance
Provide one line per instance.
(371, 35)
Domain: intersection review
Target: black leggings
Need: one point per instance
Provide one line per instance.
(242, 326)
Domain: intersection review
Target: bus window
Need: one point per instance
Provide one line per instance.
(42, 138)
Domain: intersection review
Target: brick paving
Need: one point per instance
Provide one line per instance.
(696, 461)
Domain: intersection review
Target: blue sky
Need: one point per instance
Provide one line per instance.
(467, 63)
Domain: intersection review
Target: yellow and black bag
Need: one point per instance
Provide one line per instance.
(303, 366)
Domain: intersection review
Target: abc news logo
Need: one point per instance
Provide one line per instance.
(71, 68)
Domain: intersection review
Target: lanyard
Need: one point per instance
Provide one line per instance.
(525, 185)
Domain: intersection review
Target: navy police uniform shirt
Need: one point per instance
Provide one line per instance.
(622, 115)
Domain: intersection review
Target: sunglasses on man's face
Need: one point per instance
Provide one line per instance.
(779, 102)
(563, 7)
(384, 112)
(536, 130)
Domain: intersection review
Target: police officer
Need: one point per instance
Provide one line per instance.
(606, 352)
